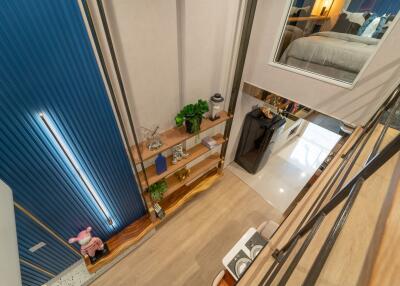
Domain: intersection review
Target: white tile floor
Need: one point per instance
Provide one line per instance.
(288, 170)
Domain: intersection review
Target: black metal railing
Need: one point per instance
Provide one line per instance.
(340, 191)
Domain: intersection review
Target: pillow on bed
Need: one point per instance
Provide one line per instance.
(369, 27)
(380, 26)
(381, 30)
(358, 17)
(350, 23)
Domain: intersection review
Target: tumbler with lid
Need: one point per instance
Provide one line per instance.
(216, 106)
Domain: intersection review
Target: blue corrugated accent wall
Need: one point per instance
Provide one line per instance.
(54, 257)
(47, 65)
(32, 277)
(379, 7)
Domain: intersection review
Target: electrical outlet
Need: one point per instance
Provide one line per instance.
(37, 247)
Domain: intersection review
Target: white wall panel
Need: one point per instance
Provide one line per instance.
(9, 260)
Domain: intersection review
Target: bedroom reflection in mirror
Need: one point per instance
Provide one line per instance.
(334, 38)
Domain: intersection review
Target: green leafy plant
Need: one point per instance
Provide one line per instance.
(157, 190)
(192, 114)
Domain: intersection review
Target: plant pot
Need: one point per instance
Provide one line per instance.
(193, 128)
(156, 201)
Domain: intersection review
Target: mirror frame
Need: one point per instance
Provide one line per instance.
(317, 76)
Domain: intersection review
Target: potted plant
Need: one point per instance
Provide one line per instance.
(157, 190)
(192, 115)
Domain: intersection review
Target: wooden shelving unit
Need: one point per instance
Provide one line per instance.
(196, 171)
(174, 136)
(179, 192)
(184, 191)
(173, 202)
(202, 176)
(194, 153)
(170, 138)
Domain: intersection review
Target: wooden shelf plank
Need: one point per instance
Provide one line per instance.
(175, 136)
(181, 196)
(196, 171)
(194, 153)
(171, 205)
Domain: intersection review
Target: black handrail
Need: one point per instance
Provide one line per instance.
(319, 262)
(317, 216)
(286, 249)
(360, 146)
(301, 251)
(394, 102)
(380, 159)
(323, 255)
(371, 124)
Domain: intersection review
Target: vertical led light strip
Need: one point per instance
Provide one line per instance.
(71, 158)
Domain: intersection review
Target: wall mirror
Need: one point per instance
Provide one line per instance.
(334, 38)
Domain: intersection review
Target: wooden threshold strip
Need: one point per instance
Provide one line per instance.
(194, 153)
(173, 137)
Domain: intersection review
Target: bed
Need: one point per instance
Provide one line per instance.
(290, 34)
(337, 55)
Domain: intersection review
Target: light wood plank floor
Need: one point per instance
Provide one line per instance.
(188, 249)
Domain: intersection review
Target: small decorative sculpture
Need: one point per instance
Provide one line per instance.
(178, 153)
(159, 211)
(91, 246)
(182, 174)
(153, 138)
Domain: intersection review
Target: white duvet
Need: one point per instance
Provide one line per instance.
(342, 51)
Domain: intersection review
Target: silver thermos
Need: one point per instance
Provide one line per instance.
(216, 106)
